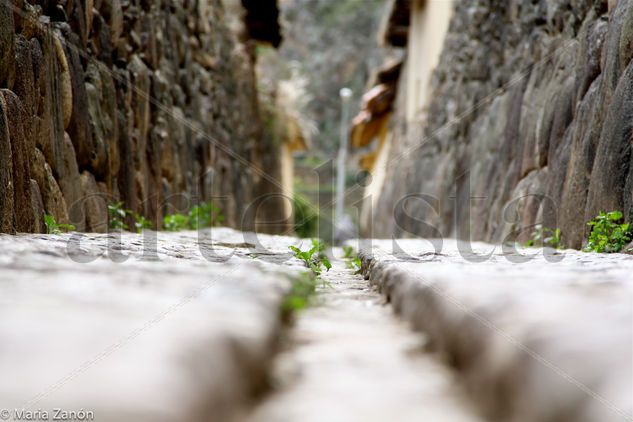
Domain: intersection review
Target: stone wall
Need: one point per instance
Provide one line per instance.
(531, 100)
(152, 103)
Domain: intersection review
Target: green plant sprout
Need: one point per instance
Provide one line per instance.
(141, 223)
(314, 258)
(353, 260)
(203, 215)
(175, 222)
(544, 236)
(52, 227)
(303, 288)
(355, 264)
(608, 233)
(117, 215)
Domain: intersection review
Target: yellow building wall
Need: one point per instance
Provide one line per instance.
(429, 24)
(372, 191)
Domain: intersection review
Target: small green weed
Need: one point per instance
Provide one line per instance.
(353, 260)
(117, 215)
(314, 258)
(354, 264)
(205, 215)
(53, 228)
(302, 289)
(608, 233)
(175, 222)
(543, 236)
(140, 223)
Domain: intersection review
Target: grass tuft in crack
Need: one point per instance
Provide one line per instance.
(354, 264)
(608, 233)
(302, 290)
(352, 258)
(546, 237)
(314, 258)
(52, 227)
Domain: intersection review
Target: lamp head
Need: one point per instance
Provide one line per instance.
(345, 93)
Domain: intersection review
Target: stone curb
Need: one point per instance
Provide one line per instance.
(559, 356)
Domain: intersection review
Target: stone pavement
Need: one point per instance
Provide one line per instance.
(531, 341)
(162, 336)
(187, 327)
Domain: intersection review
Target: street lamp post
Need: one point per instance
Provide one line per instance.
(346, 95)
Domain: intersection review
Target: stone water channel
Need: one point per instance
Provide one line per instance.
(350, 359)
(187, 326)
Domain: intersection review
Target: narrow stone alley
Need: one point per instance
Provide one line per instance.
(316, 210)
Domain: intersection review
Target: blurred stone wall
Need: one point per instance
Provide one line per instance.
(149, 102)
(530, 122)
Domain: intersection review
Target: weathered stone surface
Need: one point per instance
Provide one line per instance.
(27, 21)
(7, 210)
(24, 86)
(102, 110)
(613, 156)
(49, 131)
(113, 14)
(71, 187)
(140, 106)
(95, 204)
(534, 339)
(52, 196)
(7, 32)
(109, 323)
(20, 156)
(38, 207)
(556, 79)
(91, 154)
(65, 81)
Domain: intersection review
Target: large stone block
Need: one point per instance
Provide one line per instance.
(25, 87)
(613, 157)
(109, 122)
(52, 197)
(54, 106)
(112, 12)
(21, 150)
(71, 187)
(7, 207)
(7, 33)
(38, 207)
(91, 150)
(65, 80)
(140, 79)
(95, 204)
